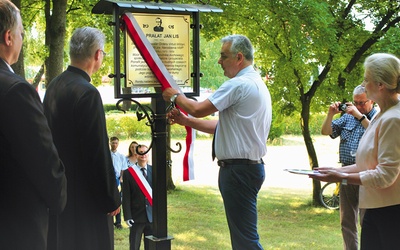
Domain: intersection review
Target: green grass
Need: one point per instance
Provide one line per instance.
(287, 220)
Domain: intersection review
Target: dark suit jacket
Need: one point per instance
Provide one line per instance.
(76, 117)
(134, 203)
(32, 176)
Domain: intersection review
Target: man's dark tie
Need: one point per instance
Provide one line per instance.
(213, 145)
(144, 172)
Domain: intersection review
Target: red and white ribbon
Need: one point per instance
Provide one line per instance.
(142, 183)
(154, 62)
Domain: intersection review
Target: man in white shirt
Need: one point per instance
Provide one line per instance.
(241, 133)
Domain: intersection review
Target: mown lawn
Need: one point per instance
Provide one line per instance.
(287, 220)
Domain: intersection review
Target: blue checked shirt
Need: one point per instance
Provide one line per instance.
(350, 131)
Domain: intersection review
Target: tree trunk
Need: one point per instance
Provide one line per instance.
(55, 37)
(38, 76)
(312, 155)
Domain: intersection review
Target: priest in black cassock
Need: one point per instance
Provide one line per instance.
(76, 117)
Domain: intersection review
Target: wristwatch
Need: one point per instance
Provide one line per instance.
(344, 180)
(362, 118)
(173, 98)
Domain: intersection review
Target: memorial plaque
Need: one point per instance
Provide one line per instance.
(169, 36)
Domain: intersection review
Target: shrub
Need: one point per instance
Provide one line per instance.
(113, 127)
(109, 107)
(127, 126)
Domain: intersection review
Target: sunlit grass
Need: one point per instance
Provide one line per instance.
(287, 220)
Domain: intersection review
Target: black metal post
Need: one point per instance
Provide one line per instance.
(160, 239)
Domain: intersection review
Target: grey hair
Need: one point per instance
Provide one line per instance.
(8, 17)
(384, 68)
(84, 43)
(358, 90)
(240, 43)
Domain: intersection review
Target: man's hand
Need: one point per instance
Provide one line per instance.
(352, 110)
(168, 93)
(176, 116)
(129, 222)
(334, 108)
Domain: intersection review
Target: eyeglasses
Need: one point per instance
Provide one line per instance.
(360, 103)
(104, 53)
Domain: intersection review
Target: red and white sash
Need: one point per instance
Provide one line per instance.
(142, 183)
(166, 80)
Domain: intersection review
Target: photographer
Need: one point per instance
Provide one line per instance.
(350, 127)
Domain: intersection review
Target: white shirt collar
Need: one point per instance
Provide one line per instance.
(9, 67)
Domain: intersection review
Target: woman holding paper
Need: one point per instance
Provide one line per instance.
(377, 165)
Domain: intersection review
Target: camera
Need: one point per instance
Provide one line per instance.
(342, 106)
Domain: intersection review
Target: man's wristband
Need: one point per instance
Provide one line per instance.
(362, 118)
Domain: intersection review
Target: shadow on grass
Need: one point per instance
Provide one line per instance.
(196, 220)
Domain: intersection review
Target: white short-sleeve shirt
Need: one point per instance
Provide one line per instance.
(245, 113)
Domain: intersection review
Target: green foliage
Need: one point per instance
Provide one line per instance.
(213, 73)
(313, 50)
(127, 126)
(177, 131)
(78, 15)
(113, 127)
(390, 43)
(110, 107)
(34, 27)
(277, 126)
(292, 124)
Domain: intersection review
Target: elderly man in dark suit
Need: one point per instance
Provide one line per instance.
(137, 208)
(32, 179)
(76, 117)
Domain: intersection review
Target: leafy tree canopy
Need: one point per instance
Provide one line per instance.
(311, 50)
(302, 43)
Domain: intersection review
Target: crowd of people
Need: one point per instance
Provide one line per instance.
(71, 180)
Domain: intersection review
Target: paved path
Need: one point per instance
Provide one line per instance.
(277, 159)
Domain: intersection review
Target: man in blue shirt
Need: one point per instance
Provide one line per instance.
(120, 164)
(350, 127)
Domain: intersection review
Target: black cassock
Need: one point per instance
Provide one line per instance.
(75, 113)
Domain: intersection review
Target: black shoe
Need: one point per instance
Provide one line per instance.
(118, 226)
